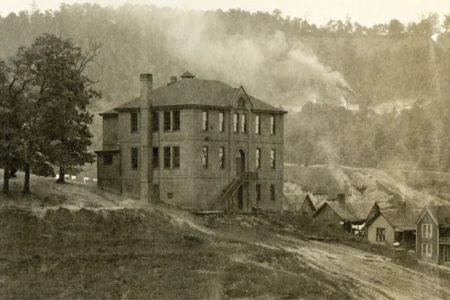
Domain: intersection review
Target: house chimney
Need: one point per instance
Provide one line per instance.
(173, 79)
(402, 205)
(146, 182)
(341, 198)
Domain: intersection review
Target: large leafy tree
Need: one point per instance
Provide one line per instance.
(63, 92)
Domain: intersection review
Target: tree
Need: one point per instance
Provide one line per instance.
(63, 92)
(395, 28)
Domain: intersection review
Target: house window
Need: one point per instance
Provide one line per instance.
(205, 120)
(222, 157)
(205, 157)
(272, 125)
(221, 122)
(244, 123)
(155, 158)
(427, 250)
(107, 159)
(155, 121)
(166, 157)
(241, 102)
(258, 192)
(236, 123)
(134, 123)
(134, 158)
(176, 120)
(427, 231)
(167, 121)
(272, 192)
(272, 159)
(176, 157)
(381, 234)
(258, 124)
(258, 158)
(170, 195)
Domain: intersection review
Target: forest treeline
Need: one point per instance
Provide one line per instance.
(282, 60)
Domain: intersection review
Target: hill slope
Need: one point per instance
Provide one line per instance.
(161, 252)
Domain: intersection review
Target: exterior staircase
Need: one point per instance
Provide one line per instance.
(232, 188)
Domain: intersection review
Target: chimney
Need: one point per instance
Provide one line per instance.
(402, 205)
(146, 166)
(341, 198)
(173, 79)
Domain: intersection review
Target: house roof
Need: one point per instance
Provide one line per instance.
(309, 198)
(441, 214)
(197, 92)
(187, 74)
(361, 209)
(345, 212)
(398, 218)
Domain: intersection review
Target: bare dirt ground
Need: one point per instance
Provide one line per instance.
(70, 250)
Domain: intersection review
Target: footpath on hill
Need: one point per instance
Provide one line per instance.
(71, 250)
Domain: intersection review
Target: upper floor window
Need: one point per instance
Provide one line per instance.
(205, 157)
(134, 158)
(221, 122)
(167, 120)
(426, 231)
(222, 158)
(134, 122)
(272, 158)
(258, 158)
(272, 125)
(236, 122)
(258, 124)
(244, 123)
(241, 102)
(155, 158)
(272, 192)
(167, 157)
(176, 120)
(155, 120)
(176, 157)
(108, 159)
(205, 120)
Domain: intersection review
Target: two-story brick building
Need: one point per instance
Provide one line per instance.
(200, 143)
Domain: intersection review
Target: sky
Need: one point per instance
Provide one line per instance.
(366, 12)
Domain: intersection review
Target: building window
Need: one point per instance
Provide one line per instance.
(272, 125)
(155, 158)
(155, 121)
(427, 250)
(134, 123)
(167, 121)
(170, 195)
(176, 157)
(222, 157)
(258, 192)
(272, 159)
(381, 234)
(166, 157)
(236, 123)
(134, 158)
(108, 159)
(258, 158)
(258, 124)
(221, 122)
(426, 231)
(272, 192)
(205, 157)
(176, 120)
(241, 102)
(244, 123)
(205, 120)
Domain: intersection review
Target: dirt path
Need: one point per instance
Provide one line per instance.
(375, 276)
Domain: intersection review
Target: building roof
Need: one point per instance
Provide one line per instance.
(361, 209)
(441, 214)
(310, 199)
(400, 219)
(344, 211)
(197, 92)
(187, 74)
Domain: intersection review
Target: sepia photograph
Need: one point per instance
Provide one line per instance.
(278, 149)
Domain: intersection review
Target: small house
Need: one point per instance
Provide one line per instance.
(433, 235)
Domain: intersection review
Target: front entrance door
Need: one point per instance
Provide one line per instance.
(240, 162)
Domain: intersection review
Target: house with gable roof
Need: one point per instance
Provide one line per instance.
(198, 144)
(433, 235)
